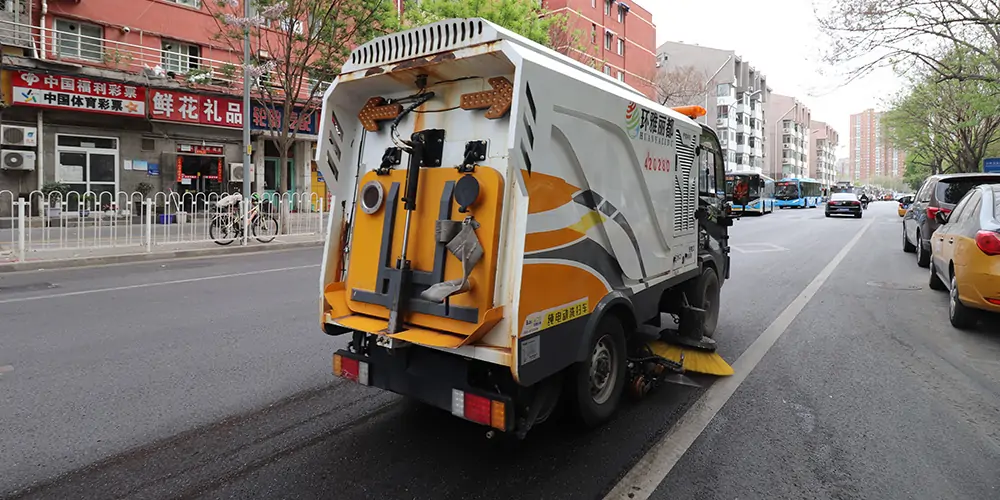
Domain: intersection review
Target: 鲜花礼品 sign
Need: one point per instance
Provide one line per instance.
(77, 93)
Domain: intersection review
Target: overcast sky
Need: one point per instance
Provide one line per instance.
(780, 38)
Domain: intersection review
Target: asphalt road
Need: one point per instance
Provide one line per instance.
(210, 379)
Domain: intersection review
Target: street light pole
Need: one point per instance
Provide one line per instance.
(709, 83)
(246, 124)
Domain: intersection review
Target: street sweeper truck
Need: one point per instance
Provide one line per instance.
(511, 229)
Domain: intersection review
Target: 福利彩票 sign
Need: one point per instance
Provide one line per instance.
(77, 93)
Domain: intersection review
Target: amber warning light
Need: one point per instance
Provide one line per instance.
(376, 110)
(496, 102)
(692, 112)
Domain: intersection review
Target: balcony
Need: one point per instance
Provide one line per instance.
(153, 62)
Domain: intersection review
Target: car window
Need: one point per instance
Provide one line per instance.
(970, 215)
(951, 190)
(956, 215)
(843, 197)
(996, 202)
(924, 194)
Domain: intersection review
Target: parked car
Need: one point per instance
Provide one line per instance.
(965, 255)
(843, 204)
(939, 193)
(904, 203)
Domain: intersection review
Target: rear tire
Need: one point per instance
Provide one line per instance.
(858, 215)
(596, 383)
(934, 281)
(923, 256)
(961, 317)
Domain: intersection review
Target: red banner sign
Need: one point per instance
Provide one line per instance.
(195, 149)
(78, 94)
(184, 107)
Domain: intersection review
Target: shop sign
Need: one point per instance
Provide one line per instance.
(199, 150)
(185, 107)
(264, 118)
(78, 94)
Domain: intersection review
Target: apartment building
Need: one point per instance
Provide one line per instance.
(823, 142)
(127, 93)
(788, 135)
(735, 96)
(618, 37)
(871, 154)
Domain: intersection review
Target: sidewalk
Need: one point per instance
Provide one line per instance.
(73, 257)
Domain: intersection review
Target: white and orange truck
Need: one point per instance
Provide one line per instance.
(511, 228)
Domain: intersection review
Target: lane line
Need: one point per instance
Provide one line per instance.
(644, 477)
(149, 285)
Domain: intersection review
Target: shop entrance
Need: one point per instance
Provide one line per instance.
(199, 173)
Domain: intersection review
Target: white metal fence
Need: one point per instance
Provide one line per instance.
(40, 225)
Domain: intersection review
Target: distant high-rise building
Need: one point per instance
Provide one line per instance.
(787, 136)
(872, 155)
(618, 38)
(734, 95)
(823, 142)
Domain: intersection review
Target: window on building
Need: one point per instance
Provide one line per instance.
(593, 4)
(609, 39)
(621, 46)
(607, 69)
(723, 89)
(593, 34)
(179, 57)
(88, 165)
(723, 111)
(189, 3)
(621, 13)
(621, 76)
(607, 7)
(79, 40)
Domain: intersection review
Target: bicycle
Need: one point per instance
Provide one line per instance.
(227, 225)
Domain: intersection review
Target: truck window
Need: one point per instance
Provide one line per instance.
(711, 174)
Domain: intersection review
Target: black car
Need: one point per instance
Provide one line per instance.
(939, 193)
(843, 204)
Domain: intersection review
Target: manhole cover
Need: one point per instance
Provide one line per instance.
(893, 286)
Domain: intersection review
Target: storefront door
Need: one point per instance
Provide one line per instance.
(89, 166)
(272, 180)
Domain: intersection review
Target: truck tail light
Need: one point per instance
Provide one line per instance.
(988, 242)
(479, 409)
(350, 369)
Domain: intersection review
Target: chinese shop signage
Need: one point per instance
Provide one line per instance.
(78, 94)
(269, 118)
(184, 107)
(200, 150)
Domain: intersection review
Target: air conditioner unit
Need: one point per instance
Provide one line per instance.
(236, 172)
(15, 135)
(17, 160)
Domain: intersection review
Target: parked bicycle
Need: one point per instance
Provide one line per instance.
(227, 225)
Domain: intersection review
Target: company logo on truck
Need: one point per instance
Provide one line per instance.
(648, 125)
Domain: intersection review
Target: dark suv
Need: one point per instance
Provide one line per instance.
(938, 193)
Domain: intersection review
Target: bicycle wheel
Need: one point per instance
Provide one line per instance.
(265, 228)
(221, 230)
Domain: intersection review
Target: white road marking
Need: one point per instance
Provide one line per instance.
(6, 369)
(758, 248)
(640, 482)
(148, 285)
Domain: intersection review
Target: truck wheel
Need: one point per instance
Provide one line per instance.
(597, 382)
(704, 293)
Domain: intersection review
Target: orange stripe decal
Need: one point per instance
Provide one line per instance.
(534, 242)
(547, 192)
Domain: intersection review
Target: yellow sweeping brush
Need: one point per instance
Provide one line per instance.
(693, 360)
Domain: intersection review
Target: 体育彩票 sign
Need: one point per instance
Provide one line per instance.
(78, 94)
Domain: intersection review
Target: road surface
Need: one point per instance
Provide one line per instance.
(210, 379)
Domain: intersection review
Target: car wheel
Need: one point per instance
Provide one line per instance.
(598, 381)
(923, 257)
(907, 246)
(857, 215)
(934, 281)
(961, 317)
(828, 215)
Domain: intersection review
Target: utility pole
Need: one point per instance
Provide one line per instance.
(247, 168)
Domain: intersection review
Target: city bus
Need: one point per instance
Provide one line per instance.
(761, 192)
(801, 193)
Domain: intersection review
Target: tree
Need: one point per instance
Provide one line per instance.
(298, 48)
(917, 170)
(680, 86)
(879, 33)
(947, 125)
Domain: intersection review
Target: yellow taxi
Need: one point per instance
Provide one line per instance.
(965, 256)
(904, 204)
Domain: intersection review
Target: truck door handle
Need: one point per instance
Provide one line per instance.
(952, 240)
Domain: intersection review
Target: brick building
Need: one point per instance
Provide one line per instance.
(615, 36)
(120, 93)
(872, 155)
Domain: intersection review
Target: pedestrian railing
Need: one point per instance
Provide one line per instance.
(38, 226)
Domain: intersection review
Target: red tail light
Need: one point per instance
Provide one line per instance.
(932, 211)
(988, 242)
(855, 203)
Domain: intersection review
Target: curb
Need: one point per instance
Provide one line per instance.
(47, 265)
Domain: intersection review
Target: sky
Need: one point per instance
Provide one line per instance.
(780, 38)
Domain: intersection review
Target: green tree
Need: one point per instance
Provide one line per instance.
(917, 170)
(947, 126)
(298, 47)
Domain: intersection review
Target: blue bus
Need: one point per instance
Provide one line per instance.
(761, 191)
(801, 193)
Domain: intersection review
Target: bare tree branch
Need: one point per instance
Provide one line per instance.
(680, 86)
